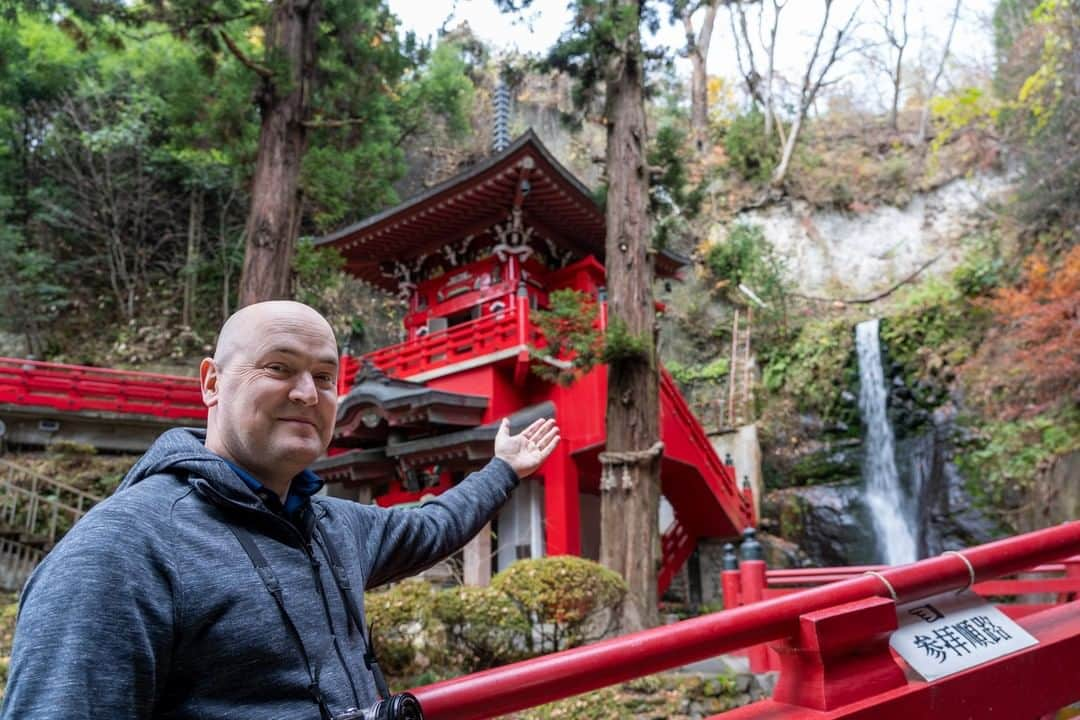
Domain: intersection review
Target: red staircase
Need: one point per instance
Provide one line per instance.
(700, 487)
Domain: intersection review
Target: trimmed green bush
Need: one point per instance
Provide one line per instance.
(483, 628)
(564, 599)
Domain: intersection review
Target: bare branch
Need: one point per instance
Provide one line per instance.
(260, 70)
(924, 121)
(340, 123)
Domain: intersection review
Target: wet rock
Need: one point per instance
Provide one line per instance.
(836, 461)
(830, 523)
(838, 428)
(781, 553)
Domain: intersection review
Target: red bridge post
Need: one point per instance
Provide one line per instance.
(752, 587)
(729, 578)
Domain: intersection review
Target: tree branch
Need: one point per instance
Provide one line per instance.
(343, 122)
(261, 70)
(881, 295)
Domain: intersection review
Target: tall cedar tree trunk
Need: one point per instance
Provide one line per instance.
(699, 101)
(284, 102)
(697, 49)
(630, 539)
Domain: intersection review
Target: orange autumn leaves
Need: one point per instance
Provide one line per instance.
(1030, 360)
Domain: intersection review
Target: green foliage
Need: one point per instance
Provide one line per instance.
(672, 200)
(483, 628)
(403, 627)
(1001, 462)
(149, 93)
(316, 270)
(573, 342)
(349, 171)
(561, 597)
(746, 257)
(749, 152)
(532, 607)
(29, 287)
(653, 696)
(963, 110)
(622, 346)
(814, 369)
(1042, 120)
(715, 372)
(933, 328)
(983, 269)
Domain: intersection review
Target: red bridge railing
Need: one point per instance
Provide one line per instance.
(75, 388)
(753, 582)
(1049, 666)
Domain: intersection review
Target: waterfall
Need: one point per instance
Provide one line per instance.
(890, 511)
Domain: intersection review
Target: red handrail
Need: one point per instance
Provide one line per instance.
(552, 677)
(75, 388)
(486, 334)
(718, 476)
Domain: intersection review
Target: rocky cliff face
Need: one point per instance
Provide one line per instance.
(856, 255)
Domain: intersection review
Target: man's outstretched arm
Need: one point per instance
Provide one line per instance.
(405, 541)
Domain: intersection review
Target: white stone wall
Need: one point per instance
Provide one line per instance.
(845, 255)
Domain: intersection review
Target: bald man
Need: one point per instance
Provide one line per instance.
(213, 583)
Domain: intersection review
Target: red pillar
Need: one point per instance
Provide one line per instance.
(562, 512)
(729, 586)
(752, 581)
(1072, 572)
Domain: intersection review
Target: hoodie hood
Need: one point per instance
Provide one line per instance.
(180, 452)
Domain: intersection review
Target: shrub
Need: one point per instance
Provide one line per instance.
(405, 634)
(483, 628)
(747, 257)
(564, 599)
(815, 369)
(749, 152)
(534, 606)
(1001, 463)
(934, 327)
(568, 328)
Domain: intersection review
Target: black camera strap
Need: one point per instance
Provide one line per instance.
(341, 578)
(262, 566)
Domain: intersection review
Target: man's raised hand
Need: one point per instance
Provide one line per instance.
(528, 450)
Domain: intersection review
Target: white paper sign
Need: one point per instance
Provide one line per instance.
(951, 632)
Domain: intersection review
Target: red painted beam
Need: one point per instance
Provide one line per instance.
(1021, 686)
(552, 677)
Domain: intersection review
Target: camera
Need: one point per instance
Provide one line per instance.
(403, 706)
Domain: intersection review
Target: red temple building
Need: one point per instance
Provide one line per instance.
(475, 257)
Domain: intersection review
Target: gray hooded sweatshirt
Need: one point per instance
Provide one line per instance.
(150, 608)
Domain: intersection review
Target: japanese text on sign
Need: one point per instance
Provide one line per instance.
(952, 632)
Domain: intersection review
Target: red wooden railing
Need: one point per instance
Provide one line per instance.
(999, 686)
(74, 388)
(687, 437)
(753, 582)
(485, 335)
(676, 545)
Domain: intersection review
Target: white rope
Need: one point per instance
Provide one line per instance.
(611, 461)
(879, 576)
(970, 567)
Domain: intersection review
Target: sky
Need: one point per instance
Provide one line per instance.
(537, 29)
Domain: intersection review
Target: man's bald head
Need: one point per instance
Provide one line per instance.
(271, 390)
(251, 321)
